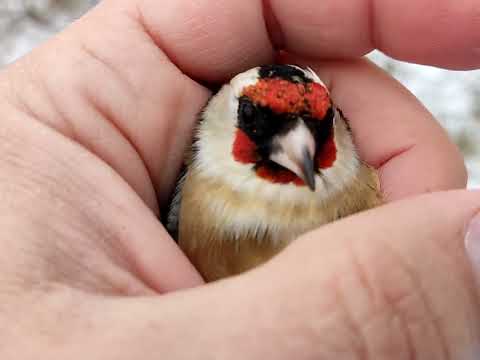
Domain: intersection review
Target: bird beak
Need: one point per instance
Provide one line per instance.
(295, 151)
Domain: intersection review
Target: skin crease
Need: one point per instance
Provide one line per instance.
(92, 138)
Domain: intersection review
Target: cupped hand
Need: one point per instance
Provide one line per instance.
(94, 126)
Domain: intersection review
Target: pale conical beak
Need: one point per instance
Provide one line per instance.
(295, 151)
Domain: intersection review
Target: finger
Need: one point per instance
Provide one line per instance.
(393, 131)
(209, 40)
(442, 33)
(423, 31)
(402, 289)
(67, 218)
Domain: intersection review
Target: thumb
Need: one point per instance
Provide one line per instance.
(394, 282)
(391, 283)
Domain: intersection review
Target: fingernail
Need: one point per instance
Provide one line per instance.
(472, 244)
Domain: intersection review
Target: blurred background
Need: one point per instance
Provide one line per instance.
(26, 23)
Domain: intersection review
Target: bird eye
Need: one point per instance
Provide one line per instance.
(247, 115)
(246, 110)
(255, 120)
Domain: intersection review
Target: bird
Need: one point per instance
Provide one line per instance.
(272, 158)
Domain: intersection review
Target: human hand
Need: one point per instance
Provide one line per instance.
(94, 124)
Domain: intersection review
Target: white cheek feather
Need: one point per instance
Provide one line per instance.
(241, 81)
(214, 160)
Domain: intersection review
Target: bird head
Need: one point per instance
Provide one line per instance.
(276, 125)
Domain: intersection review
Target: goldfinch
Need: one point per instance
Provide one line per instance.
(272, 158)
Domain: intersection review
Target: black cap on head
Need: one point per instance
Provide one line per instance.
(286, 72)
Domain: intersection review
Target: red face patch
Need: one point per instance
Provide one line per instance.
(283, 96)
(244, 150)
(279, 176)
(327, 156)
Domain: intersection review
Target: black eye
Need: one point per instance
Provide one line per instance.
(246, 111)
(247, 115)
(256, 120)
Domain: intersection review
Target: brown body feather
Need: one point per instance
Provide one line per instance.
(218, 248)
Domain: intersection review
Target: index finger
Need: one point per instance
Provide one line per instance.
(394, 133)
(435, 32)
(216, 39)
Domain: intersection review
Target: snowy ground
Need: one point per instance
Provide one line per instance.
(453, 97)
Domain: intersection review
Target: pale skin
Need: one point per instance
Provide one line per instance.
(94, 124)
